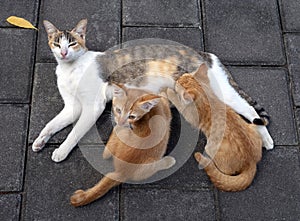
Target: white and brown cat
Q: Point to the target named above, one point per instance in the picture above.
(137, 144)
(84, 81)
(234, 147)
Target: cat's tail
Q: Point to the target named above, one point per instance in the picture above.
(223, 181)
(81, 197)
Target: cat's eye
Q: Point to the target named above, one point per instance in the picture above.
(131, 117)
(72, 44)
(118, 110)
(56, 44)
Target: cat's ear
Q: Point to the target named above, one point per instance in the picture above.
(201, 74)
(118, 90)
(80, 28)
(50, 28)
(149, 101)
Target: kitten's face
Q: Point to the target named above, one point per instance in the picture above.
(67, 46)
(130, 105)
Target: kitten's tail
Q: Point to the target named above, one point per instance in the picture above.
(223, 181)
(81, 198)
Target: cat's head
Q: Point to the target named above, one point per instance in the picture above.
(67, 46)
(189, 85)
(130, 105)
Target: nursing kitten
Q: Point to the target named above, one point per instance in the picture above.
(137, 144)
(84, 80)
(234, 147)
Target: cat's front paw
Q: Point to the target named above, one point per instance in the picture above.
(59, 155)
(78, 198)
(39, 143)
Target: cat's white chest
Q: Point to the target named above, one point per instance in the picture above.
(79, 78)
(68, 78)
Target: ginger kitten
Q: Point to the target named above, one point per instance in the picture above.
(234, 147)
(137, 144)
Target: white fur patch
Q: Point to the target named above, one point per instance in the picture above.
(226, 93)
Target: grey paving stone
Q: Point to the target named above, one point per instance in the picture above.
(168, 204)
(290, 15)
(162, 13)
(13, 124)
(47, 103)
(187, 176)
(17, 50)
(293, 53)
(243, 32)
(298, 122)
(50, 185)
(27, 9)
(274, 194)
(103, 29)
(10, 206)
(269, 87)
(191, 37)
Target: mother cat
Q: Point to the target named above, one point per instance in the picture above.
(84, 81)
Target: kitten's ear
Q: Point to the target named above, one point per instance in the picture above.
(149, 101)
(50, 28)
(201, 73)
(188, 96)
(118, 90)
(80, 28)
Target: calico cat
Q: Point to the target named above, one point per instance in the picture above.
(234, 147)
(84, 80)
(137, 144)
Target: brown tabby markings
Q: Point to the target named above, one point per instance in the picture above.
(234, 165)
(133, 160)
(55, 37)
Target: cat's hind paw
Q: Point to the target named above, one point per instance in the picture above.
(268, 142)
(78, 198)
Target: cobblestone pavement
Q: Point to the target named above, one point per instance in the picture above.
(259, 41)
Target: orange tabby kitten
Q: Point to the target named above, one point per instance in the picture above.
(137, 143)
(235, 147)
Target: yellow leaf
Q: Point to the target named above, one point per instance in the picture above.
(20, 22)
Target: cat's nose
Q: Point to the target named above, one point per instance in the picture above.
(64, 53)
(122, 122)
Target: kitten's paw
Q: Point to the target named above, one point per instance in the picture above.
(168, 162)
(106, 154)
(198, 157)
(202, 160)
(59, 154)
(39, 143)
(78, 198)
